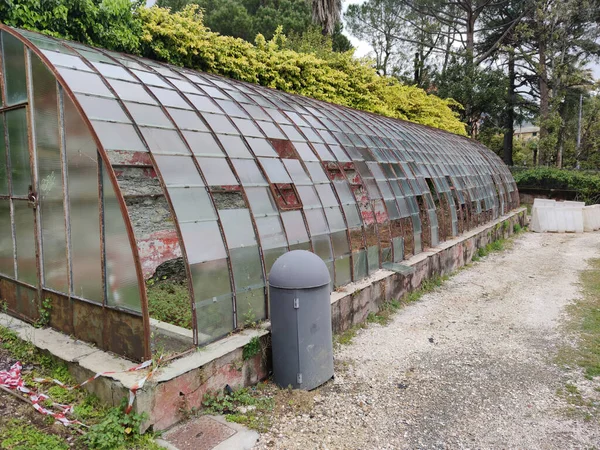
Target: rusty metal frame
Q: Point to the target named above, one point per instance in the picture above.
(380, 133)
(102, 152)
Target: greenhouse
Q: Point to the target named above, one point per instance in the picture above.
(125, 181)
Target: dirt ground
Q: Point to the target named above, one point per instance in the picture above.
(471, 365)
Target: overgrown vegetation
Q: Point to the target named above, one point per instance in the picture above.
(182, 39)
(110, 428)
(585, 186)
(45, 311)
(247, 406)
(252, 348)
(169, 301)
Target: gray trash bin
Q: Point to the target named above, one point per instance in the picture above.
(299, 288)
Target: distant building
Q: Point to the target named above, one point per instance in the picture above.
(526, 132)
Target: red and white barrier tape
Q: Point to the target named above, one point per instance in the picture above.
(12, 380)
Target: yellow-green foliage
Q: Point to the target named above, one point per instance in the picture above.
(182, 39)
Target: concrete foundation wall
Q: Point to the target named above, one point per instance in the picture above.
(182, 383)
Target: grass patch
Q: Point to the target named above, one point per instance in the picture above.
(110, 428)
(346, 337)
(16, 434)
(585, 322)
(169, 302)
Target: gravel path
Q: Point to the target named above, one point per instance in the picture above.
(468, 366)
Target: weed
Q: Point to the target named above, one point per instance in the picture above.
(248, 406)
(517, 228)
(18, 435)
(345, 337)
(116, 430)
(252, 348)
(250, 319)
(44, 311)
(3, 307)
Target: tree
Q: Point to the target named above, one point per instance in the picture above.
(563, 38)
(247, 18)
(380, 23)
(326, 13)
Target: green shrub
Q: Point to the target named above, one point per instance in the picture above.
(182, 39)
(585, 185)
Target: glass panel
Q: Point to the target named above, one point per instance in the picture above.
(360, 264)
(261, 147)
(82, 179)
(340, 243)
(316, 172)
(322, 246)
(202, 241)
(18, 146)
(14, 69)
(191, 204)
(238, 227)
(271, 130)
(308, 195)
(131, 91)
(261, 201)
(342, 271)
(112, 71)
(3, 166)
(373, 258)
(220, 124)
(296, 171)
(52, 211)
(187, 120)
(275, 170)
(202, 143)
(316, 221)
(247, 268)
(122, 288)
(117, 136)
(305, 151)
(149, 78)
(25, 241)
(178, 170)
(203, 103)
(270, 232)
(163, 141)
(148, 115)
(271, 255)
(234, 146)
(247, 127)
(102, 108)
(352, 216)
(217, 172)
(248, 172)
(326, 195)
(335, 219)
(169, 97)
(85, 82)
(211, 279)
(294, 227)
(214, 313)
(251, 305)
(7, 265)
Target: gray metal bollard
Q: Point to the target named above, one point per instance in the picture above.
(299, 289)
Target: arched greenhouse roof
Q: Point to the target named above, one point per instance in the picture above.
(124, 173)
